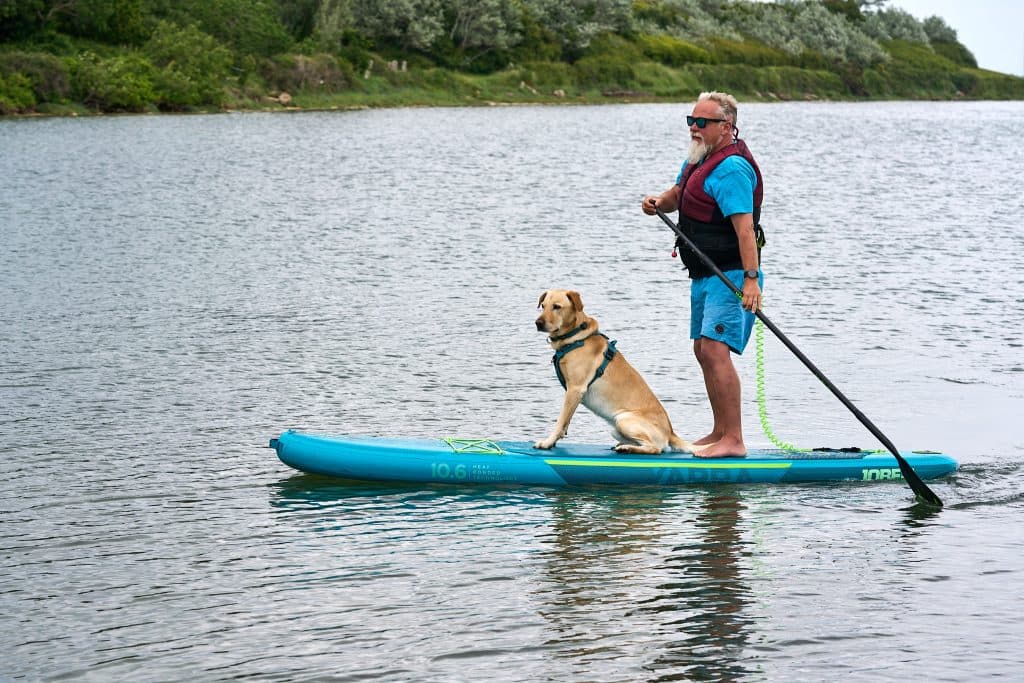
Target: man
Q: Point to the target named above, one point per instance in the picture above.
(718, 195)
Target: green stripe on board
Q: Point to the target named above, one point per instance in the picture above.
(659, 464)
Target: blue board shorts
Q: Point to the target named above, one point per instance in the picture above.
(717, 313)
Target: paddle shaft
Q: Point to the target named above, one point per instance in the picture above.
(920, 489)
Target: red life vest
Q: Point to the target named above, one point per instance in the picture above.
(697, 204)
(701, 218)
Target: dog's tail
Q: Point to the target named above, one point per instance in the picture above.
(678, 444)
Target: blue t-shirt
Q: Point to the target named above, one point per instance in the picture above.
(731, 185)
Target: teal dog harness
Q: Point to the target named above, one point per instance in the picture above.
(609, 353)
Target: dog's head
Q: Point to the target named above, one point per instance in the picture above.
(560, 310)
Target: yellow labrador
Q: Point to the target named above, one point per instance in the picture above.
(595, 374)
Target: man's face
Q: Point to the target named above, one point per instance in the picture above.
(715, 133)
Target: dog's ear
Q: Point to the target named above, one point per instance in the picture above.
(575, 300)
(540, 301)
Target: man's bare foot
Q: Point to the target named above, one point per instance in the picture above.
(724, 448)
(707, 440)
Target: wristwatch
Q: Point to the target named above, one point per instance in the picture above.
(750, 274)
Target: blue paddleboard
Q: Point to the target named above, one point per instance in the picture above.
(517, 462)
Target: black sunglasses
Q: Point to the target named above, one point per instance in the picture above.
(702, 121)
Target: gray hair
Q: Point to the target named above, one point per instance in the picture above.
(724, 100)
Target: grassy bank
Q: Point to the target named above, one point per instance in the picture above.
(643, 81)
(166, 64)
(37, 84)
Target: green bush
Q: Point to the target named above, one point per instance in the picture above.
(664, 81)
(438, 79)
(191, 67)
(249, 27)
(47, 74)
(537, 43)
(119, 22)
(966, 81)
(955, 52)
(16, 94)
(786, 82)
(51, 42)
(672, 51)
(918, 56)
(897, 80)
(812, 59)
(20, 19)
(852, 77)
(547, 74)
(749, 52)
(467, 60)
(301, 73)
(353, 48)
(663, 14)
(613, 46)
(797, 82)
(604, 72)
(876, 83)
(848, 9)
(122, 83)
(134, 55)
(914, 71)
(996, 86)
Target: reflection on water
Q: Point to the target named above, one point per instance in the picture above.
(611, 583)
(677, 582)
(314, 492)
(708, 604)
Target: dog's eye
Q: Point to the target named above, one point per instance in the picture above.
(557, 307)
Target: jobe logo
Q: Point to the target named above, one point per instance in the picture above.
(882, 473)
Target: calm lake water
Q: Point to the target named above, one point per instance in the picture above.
(178, 289)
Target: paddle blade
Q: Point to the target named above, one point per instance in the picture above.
(924, 495)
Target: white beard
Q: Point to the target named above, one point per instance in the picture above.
(698, 150)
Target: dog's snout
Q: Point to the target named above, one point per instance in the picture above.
(540, 324)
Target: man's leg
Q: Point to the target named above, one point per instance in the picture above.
(709, 385)
(723, 387)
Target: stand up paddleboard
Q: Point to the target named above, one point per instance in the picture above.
(517, 462)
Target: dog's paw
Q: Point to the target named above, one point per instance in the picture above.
(638, 449)
(544, 444)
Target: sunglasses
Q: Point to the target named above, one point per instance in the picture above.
(702, 121)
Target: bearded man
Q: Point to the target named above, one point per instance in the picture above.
(718, 194)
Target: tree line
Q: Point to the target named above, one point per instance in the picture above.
(138, 55)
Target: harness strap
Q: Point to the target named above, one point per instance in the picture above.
(560, 337)
(609, 353)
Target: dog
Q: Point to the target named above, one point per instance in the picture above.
(594, 373)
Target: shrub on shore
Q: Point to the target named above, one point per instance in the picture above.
(183, 55)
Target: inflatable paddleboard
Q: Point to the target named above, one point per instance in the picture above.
(476, 461)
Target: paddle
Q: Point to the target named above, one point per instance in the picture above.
(924, 494)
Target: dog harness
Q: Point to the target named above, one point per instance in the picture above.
(609, 353)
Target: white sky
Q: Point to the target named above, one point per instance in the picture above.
(993, 30)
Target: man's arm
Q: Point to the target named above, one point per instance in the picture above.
(666, 201)
(743, 224)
